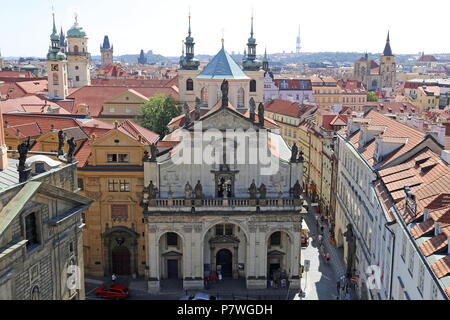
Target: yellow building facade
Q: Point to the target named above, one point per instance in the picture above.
(115, 232)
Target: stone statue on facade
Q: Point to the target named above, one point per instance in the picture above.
(72, 146)
(261, 113)
(252, 104)
(262, 191)
(198, 103)
(198, 190)
(146, 157)
(23, 149)
(253, 190)
(297, 190)
(152, 190)
(187, 115)
(188, 191)
(300, 157)
(294, 153)
(61, 140)
(153, 152)
(224, 89)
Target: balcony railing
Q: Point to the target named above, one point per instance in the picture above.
(222, 202)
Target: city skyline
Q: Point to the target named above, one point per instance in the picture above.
(207, 27)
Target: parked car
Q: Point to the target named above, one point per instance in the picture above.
(115, 292)
(199, 296)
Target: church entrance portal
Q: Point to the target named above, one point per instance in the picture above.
(224, 258)
(121, 263)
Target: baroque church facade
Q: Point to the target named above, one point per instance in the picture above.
(231, 213)
(239, 217)
(377, 76)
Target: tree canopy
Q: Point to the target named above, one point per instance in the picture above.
(371, 97)
(157, 113)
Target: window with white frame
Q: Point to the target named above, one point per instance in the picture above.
(420, 280)
(411, 260)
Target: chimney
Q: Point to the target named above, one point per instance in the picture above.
(410, 201)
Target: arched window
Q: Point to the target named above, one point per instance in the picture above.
(204, 96)
(252, 85)
(240, 98)
(189, 84)
(75, 49)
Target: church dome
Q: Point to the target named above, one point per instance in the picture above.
(76, 31)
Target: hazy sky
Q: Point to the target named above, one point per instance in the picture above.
(326, 25)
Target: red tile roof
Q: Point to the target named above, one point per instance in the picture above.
(95, 96)
(44, 122)
(288, 108)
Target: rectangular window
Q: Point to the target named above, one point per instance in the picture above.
(117, 158)
(77, 78)
(31, 232)
(124, 185)
(403, 255)
(113, 186)
(420, 280)
(172, 239)
(80, 183)
(219, 230)
(228, 229)
(275, 239)
(119, 211)
(411, 260)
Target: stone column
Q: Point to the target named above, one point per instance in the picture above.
(253, 259)
(192, 279)
(153, 263)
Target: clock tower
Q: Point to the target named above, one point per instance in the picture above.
(56, 68)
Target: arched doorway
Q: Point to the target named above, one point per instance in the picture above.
(224, 258)
(279, 255)
(121, 262)
(171, 256)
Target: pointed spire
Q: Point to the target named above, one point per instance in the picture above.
(189, 30)
(387, 49)
(54, 25)
(251, 30)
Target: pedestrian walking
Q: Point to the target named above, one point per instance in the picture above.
(317, 219)
(113, 278)
(320, 238)
(219, 275)
(321, 229)
(338, 287)
(327, 257)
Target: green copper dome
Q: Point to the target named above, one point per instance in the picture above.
(76, 31)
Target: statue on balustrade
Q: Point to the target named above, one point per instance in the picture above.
(152, 190)
(198, 103)
(153, 152)
(297, 190)
(253, 190)
(262, 191)
(198, 190)
(188, 191)
(252, 109)
(294, 153)
(261, 114)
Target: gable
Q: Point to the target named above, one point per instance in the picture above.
(225, 118)
(127, 97)
(109, 140)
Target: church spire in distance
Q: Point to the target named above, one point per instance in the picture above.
(188, 62)
(387, 49)
(249, 62)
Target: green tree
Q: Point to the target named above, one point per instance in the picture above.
(157, 113)
(371, 97)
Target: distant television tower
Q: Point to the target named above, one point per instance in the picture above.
(298, 47)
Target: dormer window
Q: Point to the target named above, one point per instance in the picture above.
(118, 157)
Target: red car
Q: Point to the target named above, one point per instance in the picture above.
(115, 292)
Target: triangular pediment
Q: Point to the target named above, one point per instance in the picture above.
(115, 138)
(127, 96)
(227, 118)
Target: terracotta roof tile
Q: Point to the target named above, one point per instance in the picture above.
(434, 245)
(442, 267)
(422, 228)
